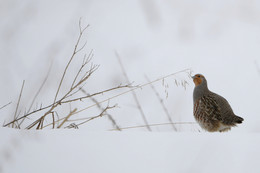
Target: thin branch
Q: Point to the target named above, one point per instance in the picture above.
(73, 120)
(162, 104)
(97, 93)
(100, 115)
(75, 92)
(53, 120)
(133, 93)
(37, 93)
(67, 117)
(110, 117)
(80, 119)
(75, 51)
(69, 101)
(17, 106)
(26, 115)
(5, 105)
(33, 124)
(85, 62)
(92, 69)
(81, 31)
(39, 90)
(160, 124)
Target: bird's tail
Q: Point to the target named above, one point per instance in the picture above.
(238, 119)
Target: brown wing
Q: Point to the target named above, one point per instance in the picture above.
(227, 115)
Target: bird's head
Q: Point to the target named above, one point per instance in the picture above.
(198, 79)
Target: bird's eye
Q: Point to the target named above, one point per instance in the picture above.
(198, 75)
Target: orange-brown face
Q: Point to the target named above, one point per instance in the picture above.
(198, 79)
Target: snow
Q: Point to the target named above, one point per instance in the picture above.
(81, 151)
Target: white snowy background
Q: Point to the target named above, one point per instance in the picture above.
(219, 39)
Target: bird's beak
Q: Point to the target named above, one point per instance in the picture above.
(193, 77)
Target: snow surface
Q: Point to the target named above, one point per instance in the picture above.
(96, 152)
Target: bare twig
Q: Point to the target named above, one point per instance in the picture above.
(69, 101)
(85, 62)
(39, 90)
(67, 117)
(53, 120)
(110, 117)
(5, 105)
(65, 96)
(92, 69)
(133, 93)
(80, 119)
(17, 106)
(75, 51)
(162, 104)
(100, 115)
(160, 124)
(97, 93)
(74, 120)
(37, 93)
(83, 79)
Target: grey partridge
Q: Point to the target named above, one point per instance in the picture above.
(212, 111)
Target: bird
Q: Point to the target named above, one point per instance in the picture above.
(212, 111)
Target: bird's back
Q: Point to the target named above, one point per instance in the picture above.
(226, 114)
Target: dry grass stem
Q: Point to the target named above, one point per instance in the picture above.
(36, 95)
(159, 124)
(84, 63)
(41, 87)
(162, 104)
(110, 117)
(75, 51)
(133, 93)
(17, 106)
(66, 118)
(5, 105)
(53, 120)
(97, 93)
(100, 115)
